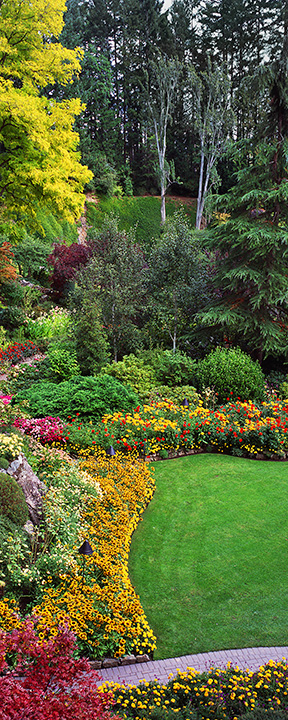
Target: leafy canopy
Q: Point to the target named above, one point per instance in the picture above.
(39, 162)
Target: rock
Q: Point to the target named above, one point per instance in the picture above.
(32, 487)
(142, 658)
(128, 660)
(95, 664)
(110, 662)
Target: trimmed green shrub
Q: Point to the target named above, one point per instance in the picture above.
(4, 463)
(86, 397)
(231, 374)
(134, 372)
(12, 501)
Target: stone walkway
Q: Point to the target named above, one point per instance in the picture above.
(250, 658)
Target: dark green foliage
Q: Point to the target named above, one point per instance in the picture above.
(231, 374)
(12, 501)
(251, 248)
(90, 338)
(11, 317)
(31, 257)
(177, 280)
(86, 397)
(12, 293)
(117, 278)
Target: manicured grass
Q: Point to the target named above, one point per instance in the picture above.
(210, 558)
(140, 212)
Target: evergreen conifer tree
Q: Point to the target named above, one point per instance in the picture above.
(251, 274)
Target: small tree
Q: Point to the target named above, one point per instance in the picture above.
(118, 274)
(66, 260)
(175, 277)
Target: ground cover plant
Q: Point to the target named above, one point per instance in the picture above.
(225, 694)
(100, 605)
(209, 558)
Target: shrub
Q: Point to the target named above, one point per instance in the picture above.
(63, 362)
(27, 375)
(172, 368)
(12, 501)
(231, 373)
(11, 317)
(134, 372)
(86, 397)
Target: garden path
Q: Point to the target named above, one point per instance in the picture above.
(250, 658)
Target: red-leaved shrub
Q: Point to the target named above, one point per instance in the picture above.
(47, 682)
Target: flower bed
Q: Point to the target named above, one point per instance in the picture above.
(165, 429)
(223, 694)
(17, 352)
(98, 601)
(46, 430)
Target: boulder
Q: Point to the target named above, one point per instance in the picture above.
(32, 487)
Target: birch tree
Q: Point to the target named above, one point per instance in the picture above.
(164, 76)
(210, 105)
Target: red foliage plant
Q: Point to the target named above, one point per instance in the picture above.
(66, 260)
(46, 682)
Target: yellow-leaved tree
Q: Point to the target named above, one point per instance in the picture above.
(39, 161)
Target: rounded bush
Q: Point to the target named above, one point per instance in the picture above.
(12, 501)
(231, 374)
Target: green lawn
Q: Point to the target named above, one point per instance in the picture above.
(210, 558)
(143, 213)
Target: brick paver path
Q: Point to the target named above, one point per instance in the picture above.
(250, 658)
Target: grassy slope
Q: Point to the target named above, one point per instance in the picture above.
(209, 560)
(142, 212)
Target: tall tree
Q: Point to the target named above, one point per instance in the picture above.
(39, 162)
(162, 83)
(252, 269)
(213, 119)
